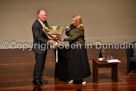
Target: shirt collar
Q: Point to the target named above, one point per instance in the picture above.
(40, 21)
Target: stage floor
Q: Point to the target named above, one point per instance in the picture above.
(16, 72)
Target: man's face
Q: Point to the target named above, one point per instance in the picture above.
(42, 15)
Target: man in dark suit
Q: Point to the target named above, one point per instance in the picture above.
(40, 44)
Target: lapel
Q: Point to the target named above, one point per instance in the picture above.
(45, 23)
(41, 27)
(39, 24)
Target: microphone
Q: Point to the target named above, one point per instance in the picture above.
(70, 27)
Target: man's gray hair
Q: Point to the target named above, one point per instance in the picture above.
(38, 12)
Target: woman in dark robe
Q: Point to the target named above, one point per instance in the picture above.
(78, 65)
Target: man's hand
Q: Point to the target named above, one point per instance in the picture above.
(51, 41)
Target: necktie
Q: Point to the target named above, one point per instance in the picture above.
(44, 26)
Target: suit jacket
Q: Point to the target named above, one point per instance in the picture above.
(39, 38)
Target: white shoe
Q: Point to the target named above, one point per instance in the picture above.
(71, 81)
(84, 82)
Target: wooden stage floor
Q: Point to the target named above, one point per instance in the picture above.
(16, 71)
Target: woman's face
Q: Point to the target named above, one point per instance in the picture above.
(74, 22)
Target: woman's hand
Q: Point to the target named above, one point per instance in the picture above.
(61, 40)
(67, 28)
